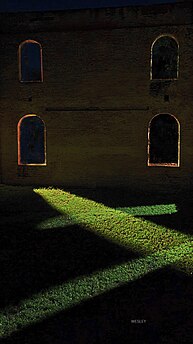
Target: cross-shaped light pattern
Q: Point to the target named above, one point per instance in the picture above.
(117, 225)
(159, 246)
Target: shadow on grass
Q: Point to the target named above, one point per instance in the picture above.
(182, 220)
(161, 299)
(33, 259)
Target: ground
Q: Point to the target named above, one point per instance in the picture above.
(95, 266)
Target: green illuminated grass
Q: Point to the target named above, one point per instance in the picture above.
(140, 235)
(39, 231)
(71, 293)
(160, 209)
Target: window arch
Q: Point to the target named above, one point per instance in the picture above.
(164, 58)
(31, 141)
(30, 61)
(164, 141)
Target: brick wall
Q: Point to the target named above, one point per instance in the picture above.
(97, 97)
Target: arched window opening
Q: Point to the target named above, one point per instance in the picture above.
(163, 141)
(30, 61)
(164, 58)
(31, 141)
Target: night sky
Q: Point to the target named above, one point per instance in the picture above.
(46, 5)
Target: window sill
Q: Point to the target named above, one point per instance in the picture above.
(156, 80)
(164, 165)
(31, 81)
(32, 164)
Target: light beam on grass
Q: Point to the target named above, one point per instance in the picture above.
(139, 235)
(74, 292)
(161, 209)
(150, 210)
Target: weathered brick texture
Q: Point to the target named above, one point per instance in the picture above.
(97, 97)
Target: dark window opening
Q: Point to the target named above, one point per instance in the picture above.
(31, 141)
(165, 58)
(30, 61)
(164, 140)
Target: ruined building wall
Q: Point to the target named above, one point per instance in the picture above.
(97, 99)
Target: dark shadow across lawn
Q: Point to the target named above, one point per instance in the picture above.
(162, 299)
(33, 259)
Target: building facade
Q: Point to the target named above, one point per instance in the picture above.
(98, 97)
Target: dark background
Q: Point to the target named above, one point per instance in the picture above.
(46, 5)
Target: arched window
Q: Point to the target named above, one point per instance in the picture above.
(164, 58)
(163, 141)
(31, 141)
(30, 62)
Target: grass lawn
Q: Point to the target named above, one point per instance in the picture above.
(95, 266)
